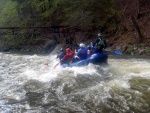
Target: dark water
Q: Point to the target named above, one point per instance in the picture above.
(27, 85)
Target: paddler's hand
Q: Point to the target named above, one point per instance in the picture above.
(76, 56)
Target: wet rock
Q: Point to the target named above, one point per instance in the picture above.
(34, 98)
(4, 48)
(50, 46)
(142, 51)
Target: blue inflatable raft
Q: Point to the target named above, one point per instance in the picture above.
(96, 58)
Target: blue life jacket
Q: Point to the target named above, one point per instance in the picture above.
(82, 53)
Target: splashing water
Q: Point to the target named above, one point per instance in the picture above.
(30, 83)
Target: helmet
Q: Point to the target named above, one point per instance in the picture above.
(82, 45)
(100, 34)
(68, 50)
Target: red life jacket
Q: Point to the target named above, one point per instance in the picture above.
(69, 55)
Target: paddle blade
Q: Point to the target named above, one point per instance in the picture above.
(56, 65)
(46, 64)
(117, 52)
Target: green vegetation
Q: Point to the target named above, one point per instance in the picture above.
(59, 12)
(32, 13)
(9, 15)
(90, 16)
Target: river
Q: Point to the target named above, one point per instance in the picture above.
(27, 85)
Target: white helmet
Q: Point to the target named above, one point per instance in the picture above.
(82, 45)
(100, 34)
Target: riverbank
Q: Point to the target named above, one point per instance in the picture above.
(133, 49)
(128, 52)
(126, 48)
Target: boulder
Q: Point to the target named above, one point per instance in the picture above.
(50, 46)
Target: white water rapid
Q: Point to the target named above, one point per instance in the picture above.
(27, 85)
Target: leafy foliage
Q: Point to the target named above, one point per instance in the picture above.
(59, 12)
(9, 15)
(30, 13)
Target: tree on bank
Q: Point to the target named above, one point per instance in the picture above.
(9, 15)
(107, 16)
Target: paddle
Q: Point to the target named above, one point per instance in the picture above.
(59, 63)
(117, 52)
(47, 63)
(56, 65)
